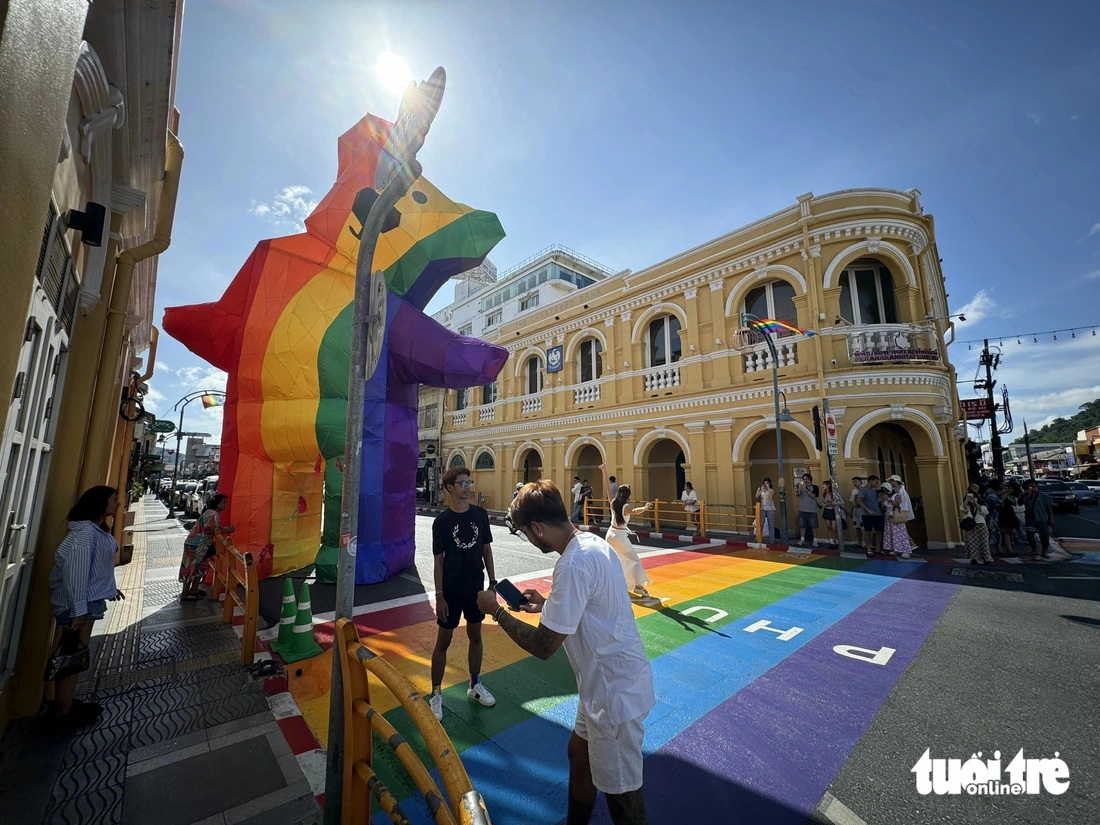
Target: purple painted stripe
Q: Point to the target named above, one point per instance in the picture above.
(769, 753)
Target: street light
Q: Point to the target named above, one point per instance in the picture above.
(761, 326)
(182, 405)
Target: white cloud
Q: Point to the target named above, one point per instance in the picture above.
(289, 208)
(981, 305)
(1093, 231)
(162, 366)
(1034, 118)
(202, 378)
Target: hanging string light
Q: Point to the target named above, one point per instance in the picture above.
(1034, 336)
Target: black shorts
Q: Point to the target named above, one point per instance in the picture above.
(459, 604)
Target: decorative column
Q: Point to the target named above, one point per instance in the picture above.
(725, 482)
(629, 386)
(556, 468)
(702, 481)
(639, 484)
(941, 510)
(691, 378)
(720, 366)
(612, 361)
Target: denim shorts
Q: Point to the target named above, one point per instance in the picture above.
(97, 609)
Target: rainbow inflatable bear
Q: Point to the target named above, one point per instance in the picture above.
(282, 333)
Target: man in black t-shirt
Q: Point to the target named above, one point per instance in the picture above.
(462, 546)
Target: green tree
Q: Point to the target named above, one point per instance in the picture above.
(1064, 430)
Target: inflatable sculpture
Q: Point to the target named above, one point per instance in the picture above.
(282, 333)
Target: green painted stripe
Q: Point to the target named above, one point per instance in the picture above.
(471, 236)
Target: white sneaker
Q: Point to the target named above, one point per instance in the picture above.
(481, 694)
(436, 704)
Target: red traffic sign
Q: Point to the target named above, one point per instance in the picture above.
(830, 425)
(976, 408)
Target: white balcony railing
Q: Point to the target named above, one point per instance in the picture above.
(879, 343)
(459, 418)
(487, 412)
(760, 356)
(662, 378)
(532, 403)
(586, 393)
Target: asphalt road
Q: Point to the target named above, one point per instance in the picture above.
(1085, 524)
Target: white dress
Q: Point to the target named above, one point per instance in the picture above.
(619, 539)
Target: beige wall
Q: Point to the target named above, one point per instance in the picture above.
(38, 52)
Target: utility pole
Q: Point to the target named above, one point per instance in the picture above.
(990, 362)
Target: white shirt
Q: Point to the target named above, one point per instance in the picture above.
(906, 502)
(589, 604)
(576, 492)
(691, 501)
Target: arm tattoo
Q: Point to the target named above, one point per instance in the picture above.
(539, 641)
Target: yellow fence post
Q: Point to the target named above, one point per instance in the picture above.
(759, 525)
(656, 515)
(703, 519)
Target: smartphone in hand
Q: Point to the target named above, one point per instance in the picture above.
(511, 594)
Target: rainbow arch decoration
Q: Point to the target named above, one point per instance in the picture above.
(752, 658)
(282, 332)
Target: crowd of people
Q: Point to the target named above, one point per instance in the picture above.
(998, 516)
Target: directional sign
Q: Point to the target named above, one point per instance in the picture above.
(830, 427)
(832, 444)
(160, 425)
(976, 408)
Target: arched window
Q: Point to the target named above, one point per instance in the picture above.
(591, 359)
(872, 300)
(881, 465)
(774, 299)
(532, 376)
(460, 399)
(663, 341)
(489, 393)
(484, 461)
(457, 461)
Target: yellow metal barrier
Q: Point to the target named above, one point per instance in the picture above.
(721, 518)
(361, 718)
(235, 572)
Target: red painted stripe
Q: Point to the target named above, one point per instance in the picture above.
(298, 735)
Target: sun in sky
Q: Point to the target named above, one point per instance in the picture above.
(393, 73)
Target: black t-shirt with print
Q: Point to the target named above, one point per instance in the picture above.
(460, 539)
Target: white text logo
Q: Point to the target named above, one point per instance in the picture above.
(986, 778)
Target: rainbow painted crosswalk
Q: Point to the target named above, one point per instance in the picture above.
(767, 669)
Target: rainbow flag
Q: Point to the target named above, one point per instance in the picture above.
(209, 401)
(772, 325)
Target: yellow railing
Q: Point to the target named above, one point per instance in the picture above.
(361, 718)
(234, 572)
(722, 518)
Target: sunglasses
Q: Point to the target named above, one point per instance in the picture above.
(515, 531)
(465, 485)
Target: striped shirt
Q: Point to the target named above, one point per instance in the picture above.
(83, 569)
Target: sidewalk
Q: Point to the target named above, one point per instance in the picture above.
(187, 734)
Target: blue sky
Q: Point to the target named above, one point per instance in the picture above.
(631, 131)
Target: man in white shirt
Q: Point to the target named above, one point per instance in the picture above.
(588, 611)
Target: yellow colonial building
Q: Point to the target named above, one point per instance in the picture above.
(646, 371)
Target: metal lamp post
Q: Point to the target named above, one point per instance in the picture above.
(182, 405)
(757, 325)
(396, 170)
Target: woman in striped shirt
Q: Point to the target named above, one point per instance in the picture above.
(81, 584)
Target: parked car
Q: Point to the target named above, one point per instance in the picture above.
(181, 493)
(201, 495)
(1092, 483)
(1084, 493)
(1060, 494)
